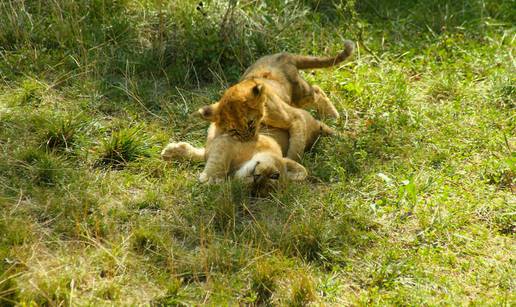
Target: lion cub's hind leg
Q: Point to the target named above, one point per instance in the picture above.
(317, 99)
(182, 151)
(323, 105)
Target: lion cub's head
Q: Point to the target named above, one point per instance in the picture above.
(240, 110)
(265, 172)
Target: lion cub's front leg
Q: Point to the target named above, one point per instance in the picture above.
(218, 164)
(182, 151)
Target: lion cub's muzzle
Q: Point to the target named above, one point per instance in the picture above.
(244, 136)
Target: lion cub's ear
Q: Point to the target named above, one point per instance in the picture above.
(209, 113)
(295, 171)
(256, 100)
(257, 90)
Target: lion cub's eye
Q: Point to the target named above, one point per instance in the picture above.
(274, 176)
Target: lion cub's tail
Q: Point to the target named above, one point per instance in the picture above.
(308, 62)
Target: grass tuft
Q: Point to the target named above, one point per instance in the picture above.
(302, 291)
(41, 168)
(263, 281)
(61, 133)
(121, 147)
(30, 93)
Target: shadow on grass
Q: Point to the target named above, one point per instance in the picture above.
(295, 221)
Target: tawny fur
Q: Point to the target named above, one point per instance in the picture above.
(271, 92)
(259, 162)
(282, 72)
(245, 106)
(268, 94)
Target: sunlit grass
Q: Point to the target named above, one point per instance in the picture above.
(413, 204)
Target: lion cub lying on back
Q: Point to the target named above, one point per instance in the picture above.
(259, 162)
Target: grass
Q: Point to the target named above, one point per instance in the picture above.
(413, 205)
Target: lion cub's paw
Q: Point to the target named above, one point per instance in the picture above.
(175, 151)
(205, 178)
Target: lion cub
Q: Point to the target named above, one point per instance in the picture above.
(244, 106)
(259, 162)
(281, 71)
(272, 90)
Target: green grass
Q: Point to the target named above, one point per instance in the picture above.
(413, 205)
